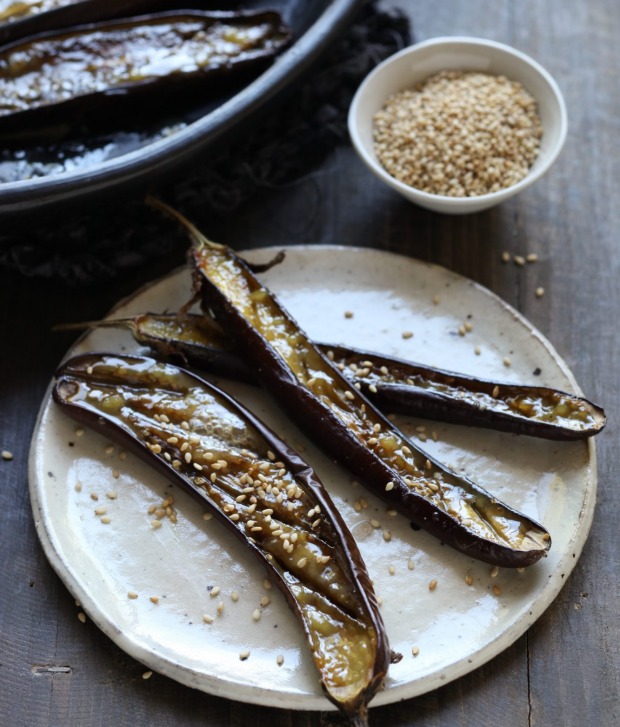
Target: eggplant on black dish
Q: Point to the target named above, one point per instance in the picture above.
(333, 412)
(23, 18)
(260, 489)
(393, 385)
(79, 75)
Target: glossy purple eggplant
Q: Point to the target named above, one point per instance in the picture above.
(260, 489)
(331, 410)
(393, 385)
(68, 77)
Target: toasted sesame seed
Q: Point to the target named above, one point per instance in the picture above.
(494, 571)
(219, 609)
(505, 257)
(387, 535)
(280, 660)
(407, 334)
(507, 362)
(497, 590)
(111, 495)
(267, 584)
(256, 614)
(372, 388)
(531, 257)
(244, 655)
(495, 392)
(207, 618)
(389, 486)
(436, 300)
(415, 650)
(78, 487)
(109, 449)
(147, 674)
(392, 570)
(207, 516)
(410, 564)
(265, 601)
(106, 520)
(540, 292)
(6, 455)
(375, 523)
(82, 617)
(519, 260)
(132, 595)
(348, 314)
(154, 599)
(432, 585)
(477, 350)
(302, 562)
(469, 580)
(79, 432)
(349, 395)
(155, 524)
(94, 496)
(101, 510)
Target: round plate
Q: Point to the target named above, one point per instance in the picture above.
(368, 299)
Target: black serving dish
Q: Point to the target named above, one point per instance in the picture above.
(81, 169)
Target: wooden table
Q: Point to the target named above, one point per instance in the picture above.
(58, 672)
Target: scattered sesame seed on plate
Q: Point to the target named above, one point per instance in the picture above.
(147, 674)
(6, 455)
(82, 617)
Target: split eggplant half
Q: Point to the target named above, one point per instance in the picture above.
(259, 488)
(82, 74)
(331, 410)
(393, 385)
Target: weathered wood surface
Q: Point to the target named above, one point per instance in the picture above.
(58, 672)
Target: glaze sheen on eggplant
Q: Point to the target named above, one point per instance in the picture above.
(24, 18)
(392, 384)
(345, 424)
(103, 68)
(259, 488)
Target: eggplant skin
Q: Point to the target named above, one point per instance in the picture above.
(341, 544)
(24, 20)
(112, 71)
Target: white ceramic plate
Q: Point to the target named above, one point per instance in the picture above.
(457, 627)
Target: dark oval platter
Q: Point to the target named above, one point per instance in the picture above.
(43, 176)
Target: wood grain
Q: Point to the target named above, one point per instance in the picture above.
(58, 672)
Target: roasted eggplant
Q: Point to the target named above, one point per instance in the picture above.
(331, 410)
(260, 489)
(23, 18)
(391, 384)
(70, 77)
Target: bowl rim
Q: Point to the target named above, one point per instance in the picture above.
(447, 40)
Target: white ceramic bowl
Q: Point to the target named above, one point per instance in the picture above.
(416, 63)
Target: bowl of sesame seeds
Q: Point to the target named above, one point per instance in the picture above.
(458, 125)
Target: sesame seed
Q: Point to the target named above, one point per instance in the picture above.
(477, 351)
(219, 609)
(540, 292)
(507, 362)
(265, 601)
(497, 590)
(280, 660)
(469, 580)
(348, 314)
(132, 595)
(432, 585)
(372, 388)
(505, 257)
(101, 510)
(154, 599)
(94, 496)
(387, 535)
(155, 524)
(389, 486)
(519, 260)
(407, 334)
(111, 495)
(494, 571)
(349, 395)
(109, 449)
(82, 617)
(244, 655)
(6, 455)
(79, 432)
(256, 614)
(301, 563)
(207, 618)
(106, 520)
(234, 596)
(392, 570)
(495, 392)
(375, 523)
(78, 487)
(410, 564)
(215, 591)
(147, 674)
(267, 584)
(415, 650)
(207, 516)
(531, 257)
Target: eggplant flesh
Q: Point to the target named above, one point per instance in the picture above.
(103, 67)
(259, 488)
(342, 421)
(393, 385)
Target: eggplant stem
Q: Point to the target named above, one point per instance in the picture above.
(183, 221)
